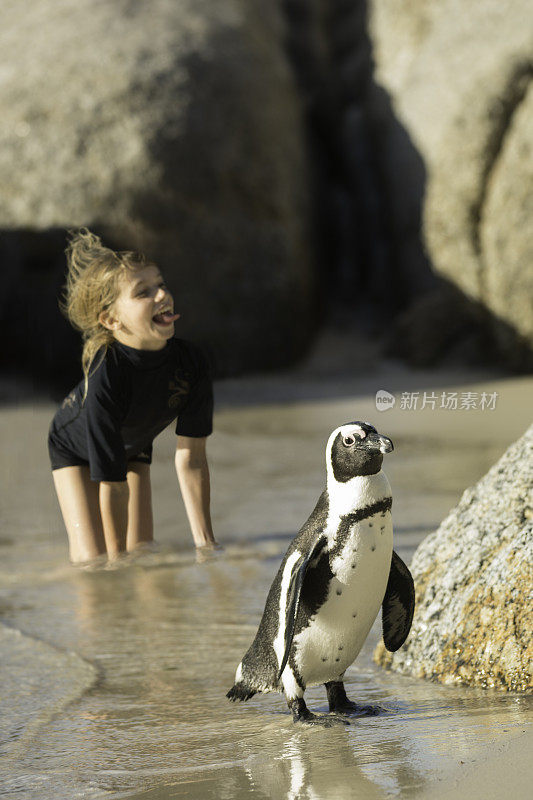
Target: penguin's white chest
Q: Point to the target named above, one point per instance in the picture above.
(336, 633)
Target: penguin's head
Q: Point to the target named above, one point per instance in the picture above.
(356, 449)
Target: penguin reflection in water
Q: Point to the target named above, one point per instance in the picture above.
(336, 574)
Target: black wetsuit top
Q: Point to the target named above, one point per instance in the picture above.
(132, 396)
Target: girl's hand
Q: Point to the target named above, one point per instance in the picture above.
(208, 552)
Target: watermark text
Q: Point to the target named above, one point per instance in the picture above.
(448, 401)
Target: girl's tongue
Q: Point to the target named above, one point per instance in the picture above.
(166, 318)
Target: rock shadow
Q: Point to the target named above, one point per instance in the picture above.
(369, 194)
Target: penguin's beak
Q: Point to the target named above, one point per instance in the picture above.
(376, 441)
(386, 445)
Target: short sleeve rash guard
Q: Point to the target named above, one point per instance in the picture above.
(132, 396)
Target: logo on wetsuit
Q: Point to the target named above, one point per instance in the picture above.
(69, 401)
(179, 388)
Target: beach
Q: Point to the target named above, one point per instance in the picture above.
(114, 680)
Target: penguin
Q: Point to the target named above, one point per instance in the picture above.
(336, 574)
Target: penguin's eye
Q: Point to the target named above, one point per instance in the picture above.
(349, 440)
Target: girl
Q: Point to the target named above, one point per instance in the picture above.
(137, 379)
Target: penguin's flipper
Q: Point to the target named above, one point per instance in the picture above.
(293, 596)
(398, 604)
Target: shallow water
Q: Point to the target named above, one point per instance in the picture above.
(114, 681)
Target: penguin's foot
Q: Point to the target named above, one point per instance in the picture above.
(340, 704)
(300, 713)
(354, 709)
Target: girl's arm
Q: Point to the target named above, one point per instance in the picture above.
(193, 477)
(114, 496)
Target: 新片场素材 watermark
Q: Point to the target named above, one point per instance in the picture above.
(449, 401)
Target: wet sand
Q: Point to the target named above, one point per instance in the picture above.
(114, 681)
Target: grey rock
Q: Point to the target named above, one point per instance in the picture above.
(473, 581)
(506, 230)
(457, 76)
(174, 128)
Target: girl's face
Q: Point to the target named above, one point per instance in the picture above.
(143, 314)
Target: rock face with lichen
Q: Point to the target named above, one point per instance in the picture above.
(474, 579)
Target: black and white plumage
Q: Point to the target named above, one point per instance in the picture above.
(336, 574)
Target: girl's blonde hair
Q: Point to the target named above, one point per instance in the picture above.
(92, 287)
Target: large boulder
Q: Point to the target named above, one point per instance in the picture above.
(171, 127)
(473, 581)
(458, 77)
(506, 232)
